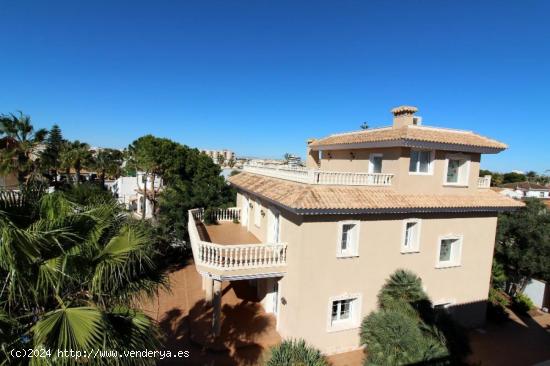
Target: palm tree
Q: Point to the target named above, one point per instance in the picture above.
(70, 274)
(19, 156)
(76, 155)
(295, 352)
(108, 162)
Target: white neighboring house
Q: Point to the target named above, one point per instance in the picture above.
(130, 191)
(522, 190)
(539, 292)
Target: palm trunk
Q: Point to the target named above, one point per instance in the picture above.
(102, 178)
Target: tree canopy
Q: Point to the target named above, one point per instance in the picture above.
(523, 245)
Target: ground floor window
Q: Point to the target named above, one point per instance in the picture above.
(344, 312)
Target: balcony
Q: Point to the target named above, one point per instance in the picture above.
(484, 182)
(227, 251)
(312, 176)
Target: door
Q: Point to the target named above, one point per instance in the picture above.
(244, 211)
(271, 303)
(273, 229)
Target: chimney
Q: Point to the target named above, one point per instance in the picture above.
(404, 116)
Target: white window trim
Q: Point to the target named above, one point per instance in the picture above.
(371, 164)
(257, 214)
(454, 262)
(461, 182)
(350, 252)
(430, 167)
(355, 313)
(416, 245)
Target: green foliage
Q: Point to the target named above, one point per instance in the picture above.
(294, 353)
(22, 140)
(522, 303)
(523, 245)
(76, 155)
(498, 275)
(49, 158)
(407, 330)
(87, 193)
(108, 162)
(71, 271)
(210, 216)
(497, 304)
(393, 337)
(513, 177)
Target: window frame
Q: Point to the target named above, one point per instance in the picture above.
(351, 251)
(456, 254)
(462, 181)
(371, 162)
(415, 247)
(430, 166)
(354, 320)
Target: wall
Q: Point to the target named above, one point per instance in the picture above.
(396, 161)
(315, 273)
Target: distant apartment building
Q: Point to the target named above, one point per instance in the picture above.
(215, 154)
(317, 243)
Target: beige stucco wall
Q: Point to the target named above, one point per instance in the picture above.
(396, 161)
(314, 273)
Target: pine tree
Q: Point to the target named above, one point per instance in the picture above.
(50, 156)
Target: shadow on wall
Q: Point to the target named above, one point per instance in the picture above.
(242, 324)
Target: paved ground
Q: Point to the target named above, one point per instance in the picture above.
(519, 341)
(247, 331)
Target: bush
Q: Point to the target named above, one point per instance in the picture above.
(395, 338)
(496, 306)
(522, 304)
(295, 352)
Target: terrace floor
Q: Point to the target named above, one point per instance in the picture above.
(226, 233)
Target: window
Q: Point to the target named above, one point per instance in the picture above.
(344, 312)
(347, 239)
(257, 214)
(341, 310)
(375, 165)
(457, 170)
(449, 251)
(421, 162)
(411, 236)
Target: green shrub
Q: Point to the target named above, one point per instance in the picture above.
(496, 305)
(522, 304)
(394, 337)
(295, 352)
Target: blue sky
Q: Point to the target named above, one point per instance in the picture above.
(260, 77)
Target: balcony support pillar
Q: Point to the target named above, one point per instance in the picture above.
(208, 284)
(217, 307)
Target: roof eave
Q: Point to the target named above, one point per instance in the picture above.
(410, 143)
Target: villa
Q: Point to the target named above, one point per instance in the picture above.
(317, 243)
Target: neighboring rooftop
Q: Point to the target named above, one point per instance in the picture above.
(407, 131)
(310, 199)
(525, 186)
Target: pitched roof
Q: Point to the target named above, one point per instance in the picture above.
(305, 198)
(526, 186)
(411, 133)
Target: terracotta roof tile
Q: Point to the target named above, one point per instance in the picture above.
(411, 133)
(527, 186)
(299, 196)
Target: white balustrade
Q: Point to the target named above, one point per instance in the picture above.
(484, 182)
(232, 257)
(311, 176)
